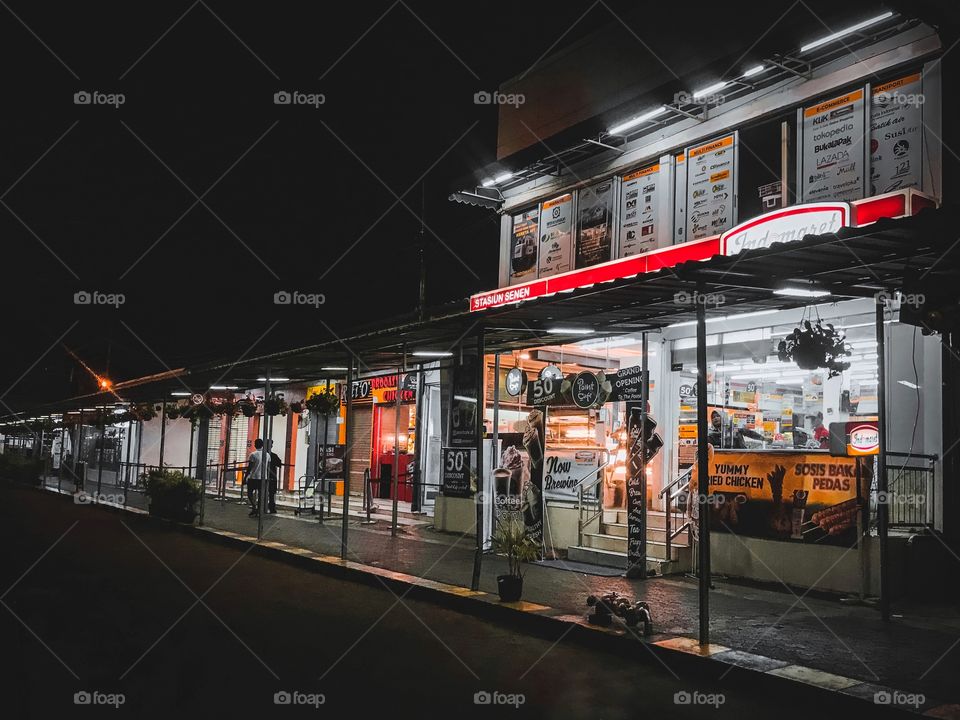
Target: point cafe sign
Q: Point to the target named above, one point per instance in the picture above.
(786, 225)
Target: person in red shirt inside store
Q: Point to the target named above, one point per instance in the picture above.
(820, 433)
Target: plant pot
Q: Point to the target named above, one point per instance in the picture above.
(509, 587)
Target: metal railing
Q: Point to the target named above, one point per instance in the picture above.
(682, 483)
(910, 489)
(596, 502)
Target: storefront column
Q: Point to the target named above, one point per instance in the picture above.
(163, 430)
(703, 474)
(103, 432)
(264, 460)
(395, 489)
(348, 391)
(883, 507)
(418, 486)
(478, 499)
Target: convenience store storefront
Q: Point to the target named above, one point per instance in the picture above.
(765, 417)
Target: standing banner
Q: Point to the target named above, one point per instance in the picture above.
(556, 236)
(638, 211)
(463, 404)
(711, 187)
(458, 469)
(636, 477)
(896, 135)
(523, 246)
(833, 132)
(532, 506)
(595, 224)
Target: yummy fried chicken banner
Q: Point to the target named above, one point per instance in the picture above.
(797, 497)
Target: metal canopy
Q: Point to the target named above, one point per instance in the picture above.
(854, 263)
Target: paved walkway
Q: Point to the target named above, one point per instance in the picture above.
(918, 651)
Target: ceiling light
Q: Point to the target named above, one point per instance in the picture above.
(756, 69)
(801, 292)
(907, 383)
(710, 89)
(432, 353)
(846, 31)
(224, 387)
(276, 379)
(181, 393)
(637, 120)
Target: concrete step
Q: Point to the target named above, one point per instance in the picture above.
(655, 518)
(606, 558)
(656, 534)
(613, 543)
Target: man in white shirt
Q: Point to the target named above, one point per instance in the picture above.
(255, 471)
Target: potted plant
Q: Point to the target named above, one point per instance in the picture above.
(248, 407)
(296, 407)
(173, 495)
(226, 407)
(510, 538)
(812, 346)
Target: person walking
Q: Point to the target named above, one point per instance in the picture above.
(254, 473)
(275, 465)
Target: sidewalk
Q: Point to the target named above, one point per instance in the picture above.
(918, 651)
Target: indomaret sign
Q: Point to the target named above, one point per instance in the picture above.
(786, 225)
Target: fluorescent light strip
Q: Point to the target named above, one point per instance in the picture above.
(616, 129)
(801, 292)
(181, 393)
(755, 70)
(569, 331)
(710, 89)
(846, 31)
(276, 379)
(431, 353)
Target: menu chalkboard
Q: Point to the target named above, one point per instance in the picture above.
(636, 493)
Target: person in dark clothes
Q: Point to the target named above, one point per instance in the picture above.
(274, 471)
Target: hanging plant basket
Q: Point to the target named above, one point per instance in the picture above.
(296, 407)
(816, 345)
(248, 408)
(275, 406)
(174, 412)
(324, 403)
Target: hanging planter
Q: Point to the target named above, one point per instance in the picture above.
(226, 407)
(248, 408)
(324, 403)
(174, 412)
(815, 345)
(296, 407)
(275, 405)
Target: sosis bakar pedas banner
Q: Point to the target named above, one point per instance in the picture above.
(791, 496)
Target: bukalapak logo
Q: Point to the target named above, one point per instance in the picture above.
(836, 142)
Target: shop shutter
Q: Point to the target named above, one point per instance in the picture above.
(359, 451)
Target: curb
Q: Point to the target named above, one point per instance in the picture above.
(714, 662)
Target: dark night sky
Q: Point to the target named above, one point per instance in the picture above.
(294, 195)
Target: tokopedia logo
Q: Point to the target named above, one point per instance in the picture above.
(787, 225)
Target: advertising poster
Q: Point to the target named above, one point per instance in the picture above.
(638, 211)
(523, 246)
(636, 509)
(556, 236)
(795, 497)
(518, 478)
(458, 467)
(595, 224)
(710, 188)
(463, 405)
(565, 469)
(896, 135)
(833, 134)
